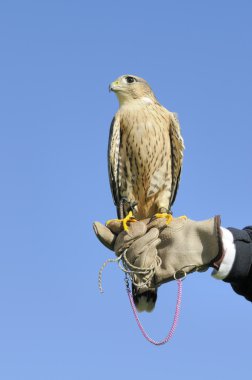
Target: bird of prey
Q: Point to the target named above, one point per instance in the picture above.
(145, 155)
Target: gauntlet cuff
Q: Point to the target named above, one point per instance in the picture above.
(215, 263)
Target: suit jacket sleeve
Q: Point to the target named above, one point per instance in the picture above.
(240, 276)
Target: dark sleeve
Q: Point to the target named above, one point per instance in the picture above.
(240, 276)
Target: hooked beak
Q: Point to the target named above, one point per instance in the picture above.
(113, 86)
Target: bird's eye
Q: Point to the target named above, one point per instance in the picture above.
(130, 79)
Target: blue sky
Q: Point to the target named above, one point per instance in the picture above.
(57, 60)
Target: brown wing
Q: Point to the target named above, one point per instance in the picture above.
(177, 148)
(113, 159)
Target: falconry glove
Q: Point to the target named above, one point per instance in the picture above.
(183, 246)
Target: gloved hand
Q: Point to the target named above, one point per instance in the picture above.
(116, 239)
(183, 246)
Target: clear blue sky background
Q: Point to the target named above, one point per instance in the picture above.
(57, 59)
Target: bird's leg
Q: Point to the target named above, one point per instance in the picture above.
(164, 213)
(129, 218)
(132, 206)
(183, 217)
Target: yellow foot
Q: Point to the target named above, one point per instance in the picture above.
(128, 219)
(168, 217)
(183, 217)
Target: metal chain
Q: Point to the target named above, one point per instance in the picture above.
(149, 272)
(175, 319)
(131, 270)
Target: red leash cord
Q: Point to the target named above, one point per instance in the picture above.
(177, 309)
(175, 319)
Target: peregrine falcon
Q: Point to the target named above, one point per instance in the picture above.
(145, 155)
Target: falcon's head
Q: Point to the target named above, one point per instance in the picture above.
(129, 88)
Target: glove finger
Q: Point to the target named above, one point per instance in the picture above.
(115, 226)
(146, 258)
(105, 236)
(141, 244)
(125, 238)
(157, 223)
(145, 261)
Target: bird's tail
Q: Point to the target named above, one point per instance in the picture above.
(144, 301)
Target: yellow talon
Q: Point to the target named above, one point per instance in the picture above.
(168, 217)
(183, 217)
(128, 219)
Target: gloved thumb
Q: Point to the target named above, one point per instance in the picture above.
(105, 236)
